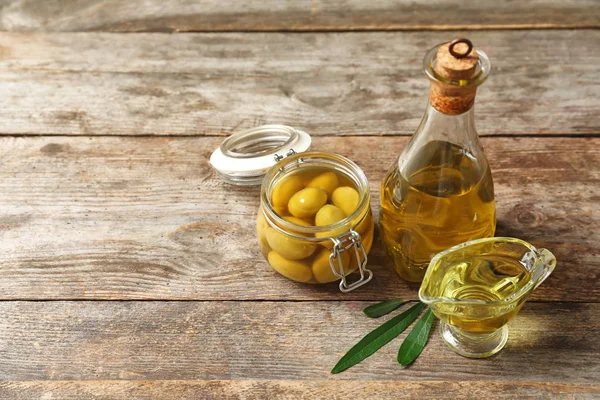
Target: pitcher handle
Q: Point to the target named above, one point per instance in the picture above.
(548, 264)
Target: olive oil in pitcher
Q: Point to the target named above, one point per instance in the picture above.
(440, 192)
(477, 287)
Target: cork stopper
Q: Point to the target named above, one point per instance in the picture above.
(455, 61)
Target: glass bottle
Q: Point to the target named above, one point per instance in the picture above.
(440, 192)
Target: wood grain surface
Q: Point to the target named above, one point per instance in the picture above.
(147, 218)
(542, 82)
(549, 342)
(293, 15)
(292, 390)
(106, 193)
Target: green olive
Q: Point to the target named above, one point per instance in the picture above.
(309, 175)
(297, 221)
(307, 202)
(261, 230)
(264, 245)
(346, 198)
(261, 222)
(327, 181)
(328, 214)
(334, 233)
(281, 211)
(288, 247)
(284, 190)
(321, 268)
(291, 269)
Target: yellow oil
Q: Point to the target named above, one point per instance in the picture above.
(488, 281)
(443, 198)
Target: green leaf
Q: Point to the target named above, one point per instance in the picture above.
(416, 340)
(378, 338)
(385, 307)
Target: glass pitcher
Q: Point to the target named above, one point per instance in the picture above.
(475, 288)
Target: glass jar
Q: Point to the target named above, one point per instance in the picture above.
(309, 253)
(314, 223)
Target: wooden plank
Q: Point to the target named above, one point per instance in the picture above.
(291, 390)
(549, 342)
(543, 82)
(147, 218)
(277, 15)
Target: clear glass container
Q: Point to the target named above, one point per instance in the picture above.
(305, 247)
(321, 241)
(477, 287)
(439, 192)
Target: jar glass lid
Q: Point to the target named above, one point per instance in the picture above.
(246, 156)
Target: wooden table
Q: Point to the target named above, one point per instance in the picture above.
(129, 270)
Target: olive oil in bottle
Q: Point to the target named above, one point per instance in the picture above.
(442, 198)
(440, 192)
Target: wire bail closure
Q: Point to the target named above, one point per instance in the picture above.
(345, 242)
(290, 153)
(278, 158)
(245, 157)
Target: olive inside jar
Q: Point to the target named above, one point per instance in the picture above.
(315, 223)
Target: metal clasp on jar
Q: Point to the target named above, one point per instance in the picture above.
(278, 158)
(346, 242)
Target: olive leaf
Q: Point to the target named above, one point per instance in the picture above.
(383, 308)
(416, 340)
(378, 338)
